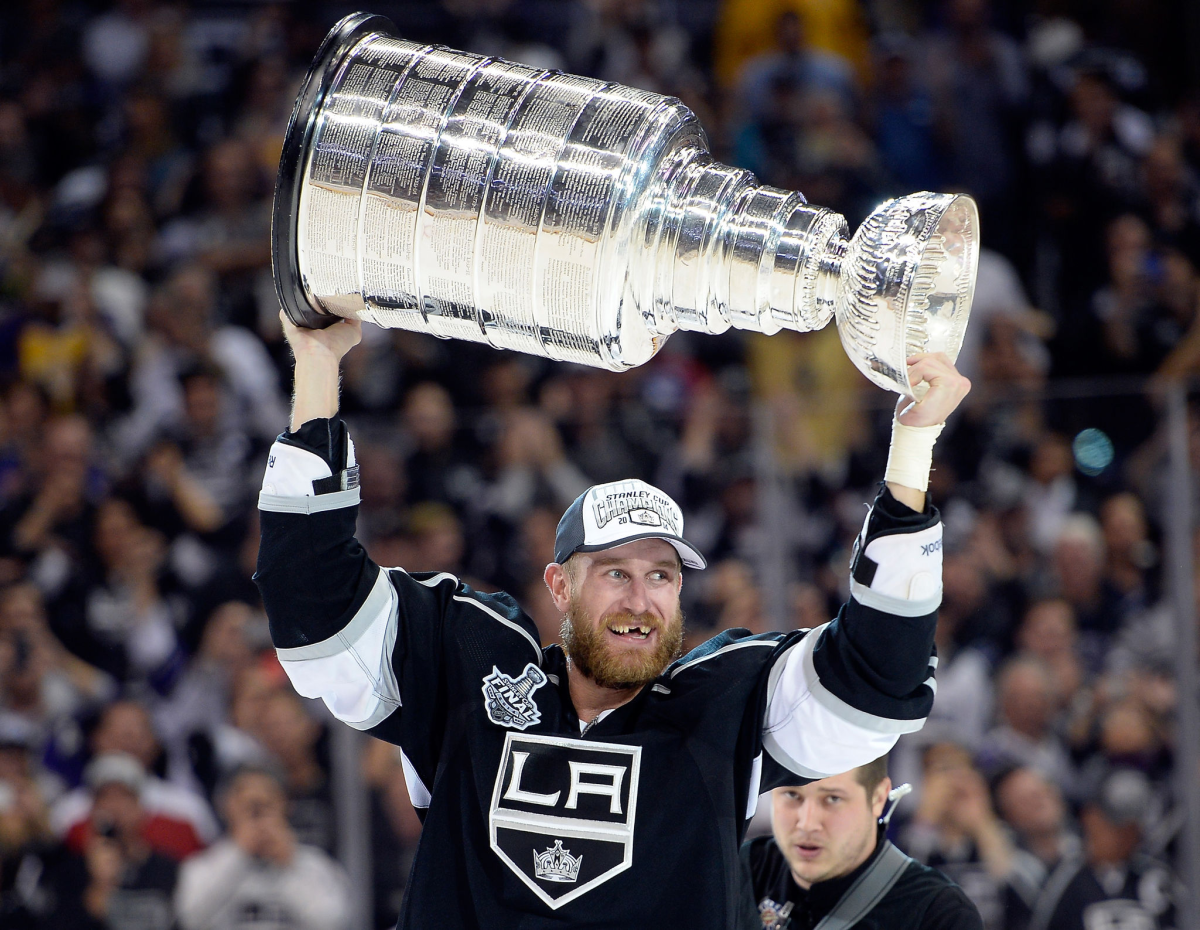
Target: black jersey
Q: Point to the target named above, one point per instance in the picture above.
(530, 819)
(921, 899)
(1139, 896)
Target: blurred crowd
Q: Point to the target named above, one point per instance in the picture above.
(157, 770)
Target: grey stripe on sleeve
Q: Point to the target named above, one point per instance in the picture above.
(379, 602)
(839, 708)
(381, 607)
(895, 605)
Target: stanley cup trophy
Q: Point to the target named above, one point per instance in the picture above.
(475, 198)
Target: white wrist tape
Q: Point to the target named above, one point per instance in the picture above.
(911, 454)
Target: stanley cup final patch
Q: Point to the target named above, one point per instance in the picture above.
(775, 916)
(509, 700)
(562, 813)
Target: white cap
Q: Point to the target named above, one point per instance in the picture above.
(609, 515)
(115, 768)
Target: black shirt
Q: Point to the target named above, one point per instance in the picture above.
(922, 898)
(143, 901)
(1140, 895)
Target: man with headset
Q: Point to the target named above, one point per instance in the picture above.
(828, 865)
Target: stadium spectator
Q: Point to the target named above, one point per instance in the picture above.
(1047, 846)
(1051, 489)
(115, 44)
(291, 736)
(1087, 168)
(963, 709)
(955, 829)
(1145, 645)
(125, 729)
(50, 518)
(184, 332)
(230, 234)
(197, 472)
(1027, 709)
(980, 84)
(1114, 881)
(200, 705)
(1033, 806)
(125, 876)
(794, 62)
(42, 685)
(395, 828)
(1001, 307)
(383, 465)
(121, 592)
(259, 872)
(33, 863)
(1172, 197)
(1130, 553)
(636, 44)
(1077, 575)
(1049, 633)
(904, 122)
(748, 28)
(436, 460)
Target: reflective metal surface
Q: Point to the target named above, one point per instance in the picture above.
(474, 198)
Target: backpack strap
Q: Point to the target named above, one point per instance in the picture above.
(868, 891)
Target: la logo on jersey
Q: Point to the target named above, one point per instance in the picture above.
(562, 813)
(509, 700)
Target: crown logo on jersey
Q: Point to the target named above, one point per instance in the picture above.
(509, 700)
(556, 864)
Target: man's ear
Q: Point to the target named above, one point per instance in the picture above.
(559, 583)
(880, 796)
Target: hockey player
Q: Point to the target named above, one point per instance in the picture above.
(607, 785)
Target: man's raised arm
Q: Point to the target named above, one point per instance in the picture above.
(367, 641)
(312, 572)
(318, 354)
(842, 695)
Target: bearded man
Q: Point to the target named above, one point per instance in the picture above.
(606, 783)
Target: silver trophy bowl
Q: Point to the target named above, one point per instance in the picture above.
(475, 198)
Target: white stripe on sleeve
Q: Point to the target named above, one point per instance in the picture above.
(352, 670)
(418, 793)
(755, 786)
(811, 731)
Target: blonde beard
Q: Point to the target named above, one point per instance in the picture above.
(583, 642)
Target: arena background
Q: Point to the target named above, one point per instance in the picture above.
(144, 375)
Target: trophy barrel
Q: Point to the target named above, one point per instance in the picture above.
(470, 197)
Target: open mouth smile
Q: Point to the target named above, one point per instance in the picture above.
(631, 632)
